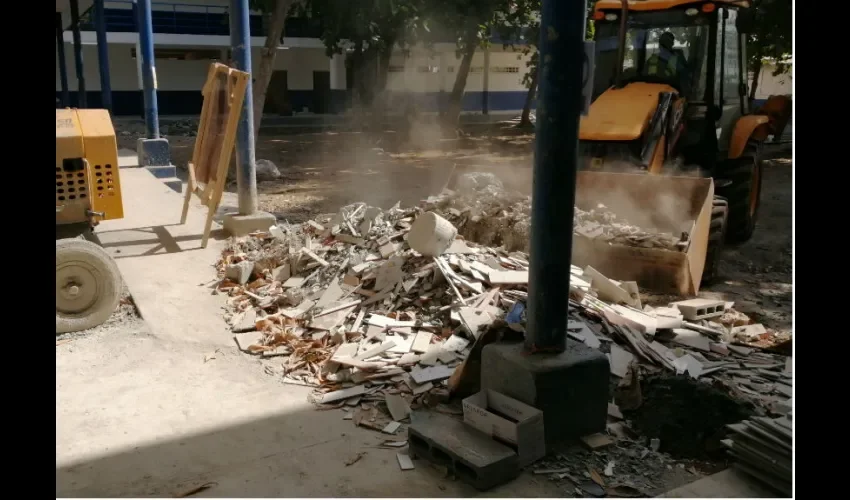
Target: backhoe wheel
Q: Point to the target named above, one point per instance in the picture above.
(88, 285)
(743, 192)
(716, 235)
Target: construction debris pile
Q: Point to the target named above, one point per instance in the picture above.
(378, 328)
(763, 448)
(485, 212)
(354, 312)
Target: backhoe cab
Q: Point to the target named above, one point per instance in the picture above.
(670, 97)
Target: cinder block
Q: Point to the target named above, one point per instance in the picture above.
(468, 453)
(696, 309)
(570, 388)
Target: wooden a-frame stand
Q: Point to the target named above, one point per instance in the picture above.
(224, 93)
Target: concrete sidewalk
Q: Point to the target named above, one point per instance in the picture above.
(159, 409)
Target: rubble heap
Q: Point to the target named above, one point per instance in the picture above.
(358, 315)
(378, 329)
(485, 212)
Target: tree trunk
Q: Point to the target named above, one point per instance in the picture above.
(525, 119)
(263, 74)
(452, 116)
(755, 83)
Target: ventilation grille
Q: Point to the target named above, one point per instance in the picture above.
(72, 185)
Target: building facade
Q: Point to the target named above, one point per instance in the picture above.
(191, 34)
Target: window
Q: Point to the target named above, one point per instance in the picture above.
(504, 69)
(395, 68)
(731, 69)
(727, 58)
(643, 52)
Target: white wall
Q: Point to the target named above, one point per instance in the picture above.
(769, 85)
(446, 63)
(170, 75)
(300, 64)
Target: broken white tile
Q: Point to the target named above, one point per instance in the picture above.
(455, 343)
(473, 319)
(507, 277)
(391, 428)
(378, 320)
(620, 360)
(331, 294)
(421, 342)
(397, 406)
(607, 290)
(404, 461)
(374, 351)
(408, 359)
(402, 344)
(691, 338)
(430, 374)
(689, 364)
(294, 282)
(356, 390)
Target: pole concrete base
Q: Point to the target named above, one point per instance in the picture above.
(155, 155)
(153, 152)
(240, 225)
(570, 388)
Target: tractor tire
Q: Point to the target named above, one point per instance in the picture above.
(744, 176)
(88, 285)
(716, 237)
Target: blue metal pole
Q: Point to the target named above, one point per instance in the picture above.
(78, 54)
(103, 55)
(148, 68)
(63, 67)
(555, 166)
(240, 41)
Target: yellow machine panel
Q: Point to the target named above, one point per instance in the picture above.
(87, 175)
(621, 114)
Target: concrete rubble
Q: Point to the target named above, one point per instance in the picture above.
(485, 212)
(343, 305)
(763, 448)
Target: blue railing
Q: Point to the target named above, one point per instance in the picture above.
(191, 19)
(199, 19)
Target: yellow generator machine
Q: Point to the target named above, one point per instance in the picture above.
(88, 190)
(670, 98)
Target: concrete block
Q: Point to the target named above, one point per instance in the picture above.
(516, 424)
(153, 152)
(469, 454)
(570, 388)
(696, 309)
(163, 172)
(175, 184)
(240, 225)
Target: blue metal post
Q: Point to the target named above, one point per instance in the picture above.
(103, 55)
(240, 41)
(78, 54)
(148, 68)
(63, 67)
(555, 165)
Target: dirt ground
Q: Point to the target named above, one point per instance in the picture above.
(323, 171)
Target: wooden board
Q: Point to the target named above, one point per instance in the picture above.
(224, 93)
